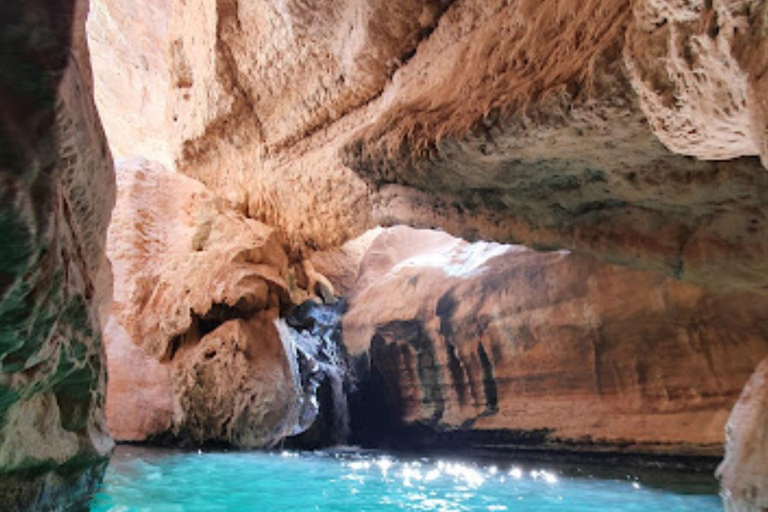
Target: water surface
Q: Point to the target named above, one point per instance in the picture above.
(172, 481)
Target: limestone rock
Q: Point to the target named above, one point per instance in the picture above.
(181, 256)
(56, 193)
(508, 346)
(744, 473)
(132, 76)
(214, 79)
(198, 287)
(700, 72)
(233, 386)
(343, 263)
(545, 141)
(573, 127)
(139, 389)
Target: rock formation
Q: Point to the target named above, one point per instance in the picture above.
(312, 332)
(574, 126)
(491, 345)
(708, 98)
(633, 132)
(57, 190)
(744, 472)
(198, 288)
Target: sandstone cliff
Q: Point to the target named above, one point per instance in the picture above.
(491, 345)
(57, 190)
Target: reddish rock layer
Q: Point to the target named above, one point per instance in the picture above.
(56, 193)
(555, 349)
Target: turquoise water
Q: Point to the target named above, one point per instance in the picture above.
(172, 481)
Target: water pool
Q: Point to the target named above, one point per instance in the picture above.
(172, 481)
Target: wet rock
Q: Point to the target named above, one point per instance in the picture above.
(56, 194)
(313, 333)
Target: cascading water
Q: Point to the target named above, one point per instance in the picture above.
(311, 336)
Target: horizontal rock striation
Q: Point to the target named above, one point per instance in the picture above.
(487, 345)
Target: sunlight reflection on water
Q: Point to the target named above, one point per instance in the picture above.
(159, 481)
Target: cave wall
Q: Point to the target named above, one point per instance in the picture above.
(629, 131)
(550, 141)
(490, 346)
(57, 193)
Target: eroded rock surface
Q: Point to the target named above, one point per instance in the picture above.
(491, 345)
(708, 98)
(574, 126)
(631, 131)
(545, 141)
(744, 471)
(193, 350)
(56, 193)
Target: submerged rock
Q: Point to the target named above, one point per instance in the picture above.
(483, 345)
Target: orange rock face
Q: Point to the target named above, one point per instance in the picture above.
(547, 140)
(56, 193)
(197, 289)
(139, 390)
(553, 350)
(743, 473)
(572, 128)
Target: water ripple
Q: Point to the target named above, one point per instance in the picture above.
(169, 481)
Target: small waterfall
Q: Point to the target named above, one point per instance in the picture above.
(311, 336)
